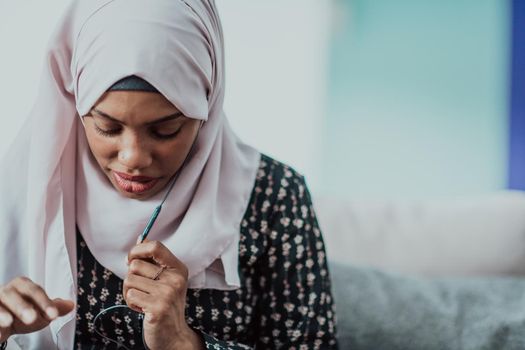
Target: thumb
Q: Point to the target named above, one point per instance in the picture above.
(63, 306)
(140, 240)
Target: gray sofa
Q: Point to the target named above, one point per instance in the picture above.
(436, 274)
(378, 310)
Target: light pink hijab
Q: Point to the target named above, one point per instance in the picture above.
(50, 182)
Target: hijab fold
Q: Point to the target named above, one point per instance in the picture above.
(51, 183)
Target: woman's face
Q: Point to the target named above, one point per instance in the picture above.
(139, 139)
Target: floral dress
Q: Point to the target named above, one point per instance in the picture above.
(284, 301)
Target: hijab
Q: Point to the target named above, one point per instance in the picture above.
(51, 182)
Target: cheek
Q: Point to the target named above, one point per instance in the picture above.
(170, 156)
(102, 148)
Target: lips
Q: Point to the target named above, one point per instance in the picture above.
(134, 184)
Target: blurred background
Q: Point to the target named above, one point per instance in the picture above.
(367, 98)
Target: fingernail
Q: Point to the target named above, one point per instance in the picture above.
(28, 316)
(5, 320)
(52, 312)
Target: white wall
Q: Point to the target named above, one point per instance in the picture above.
(25, 27)
(276, 61)
(277, 68)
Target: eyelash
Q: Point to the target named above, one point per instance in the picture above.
(111, 133)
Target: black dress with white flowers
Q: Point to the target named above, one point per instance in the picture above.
(284, 301)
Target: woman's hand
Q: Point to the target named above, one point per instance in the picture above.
(26, 308)
(162, 300)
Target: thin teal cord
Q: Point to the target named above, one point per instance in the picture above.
(157, 210)
(119, 344)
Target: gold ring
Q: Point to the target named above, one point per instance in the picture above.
(157, 275)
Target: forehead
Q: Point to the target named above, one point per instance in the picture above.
(135, 106)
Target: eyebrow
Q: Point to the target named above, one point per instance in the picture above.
(157, 121)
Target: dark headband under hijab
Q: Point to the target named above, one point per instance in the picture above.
(133, 83)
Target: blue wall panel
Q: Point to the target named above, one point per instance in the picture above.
(517, 104)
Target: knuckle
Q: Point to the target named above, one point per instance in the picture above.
(184, 272)
(36, 289)
(156, 246)
(134, 265)
(131, 294)
(126, 282)
(21, 280)
(6, 291)
(179, 282)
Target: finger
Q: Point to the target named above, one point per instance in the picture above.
(63, 306)
(148, 304)
(158, 252)
(143, 268)
(18, 306)
(6, 319)
(35, 294)
(150, 250)
(137, 299)
(144, 284)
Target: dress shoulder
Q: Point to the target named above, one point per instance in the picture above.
(280, 208)
(276, 183)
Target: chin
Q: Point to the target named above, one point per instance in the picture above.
(137, 196)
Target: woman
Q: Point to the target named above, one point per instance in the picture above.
(130, 115)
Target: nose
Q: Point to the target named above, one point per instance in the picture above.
(133, 154)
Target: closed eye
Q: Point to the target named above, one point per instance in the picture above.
(105, 132)
(161, 136)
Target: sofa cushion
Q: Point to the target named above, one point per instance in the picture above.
(478, 235)
(379, 310)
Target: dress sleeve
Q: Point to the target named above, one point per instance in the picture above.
(295, 309)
